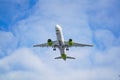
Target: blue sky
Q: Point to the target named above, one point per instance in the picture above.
(27, 22)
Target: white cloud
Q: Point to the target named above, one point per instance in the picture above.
(69, 16)
(106, 37)
(104, 14)
(35, 64)
(8, 43)
(110, 57)
(6, 38)
(22, 61)
(36, 69)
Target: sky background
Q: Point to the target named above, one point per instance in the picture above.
(27, 22)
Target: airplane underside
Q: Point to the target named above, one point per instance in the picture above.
(62, 45)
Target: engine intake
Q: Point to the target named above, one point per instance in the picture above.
(49, 42)
(70, 42)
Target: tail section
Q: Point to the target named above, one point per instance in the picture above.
(68, 57)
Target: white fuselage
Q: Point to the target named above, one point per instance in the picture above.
(60, 39)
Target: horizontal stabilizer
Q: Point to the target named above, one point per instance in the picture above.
(68, 57)
(58, 57)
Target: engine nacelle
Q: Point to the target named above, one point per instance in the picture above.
(49, 42)
(70, 42)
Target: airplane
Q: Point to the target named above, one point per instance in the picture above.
(62, 45)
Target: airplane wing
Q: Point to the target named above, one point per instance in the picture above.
(54, 44)
(41, 45)
(77, 44)
(81, 45)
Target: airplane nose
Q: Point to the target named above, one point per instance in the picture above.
(57, 27)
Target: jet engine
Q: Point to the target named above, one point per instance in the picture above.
(70, 42)
(49, 42)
